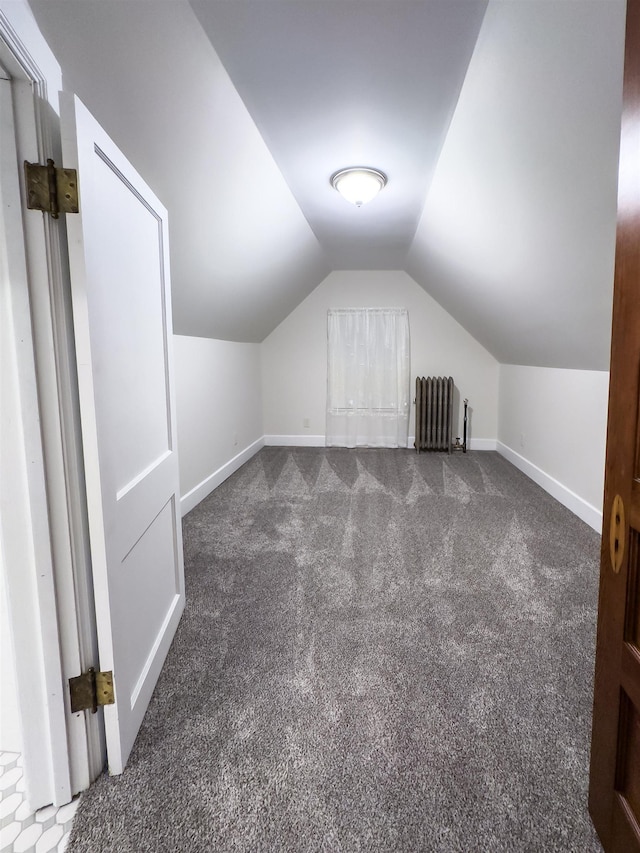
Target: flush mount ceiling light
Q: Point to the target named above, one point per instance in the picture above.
(358, 184)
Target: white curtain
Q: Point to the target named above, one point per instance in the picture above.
(368, 377)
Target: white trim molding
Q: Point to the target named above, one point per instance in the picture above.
(320, 441)
(295, 440)
(48, 579)
(483, 444)
(590, 514)
(200, 492)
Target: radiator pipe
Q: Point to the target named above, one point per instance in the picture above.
(464, 434)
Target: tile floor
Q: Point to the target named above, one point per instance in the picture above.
(25, 831)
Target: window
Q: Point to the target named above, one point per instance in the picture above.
(368, 377)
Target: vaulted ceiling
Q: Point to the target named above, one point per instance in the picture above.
(497, 124)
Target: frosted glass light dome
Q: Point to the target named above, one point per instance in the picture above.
(359, 185)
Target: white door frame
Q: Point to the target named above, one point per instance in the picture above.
(44, 534)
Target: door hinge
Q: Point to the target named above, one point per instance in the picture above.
(90, 690)
(50, 189)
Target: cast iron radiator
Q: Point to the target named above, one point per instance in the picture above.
(434, 412)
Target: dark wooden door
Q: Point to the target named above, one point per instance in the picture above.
(614, 794)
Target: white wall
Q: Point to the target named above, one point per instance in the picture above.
(552, 425)
(294, 356)
(219, 411)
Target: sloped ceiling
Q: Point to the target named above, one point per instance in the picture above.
(332, 85)
(242, 253)
(497, 126)
(517, 236)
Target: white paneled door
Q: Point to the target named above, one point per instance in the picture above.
(119, 257)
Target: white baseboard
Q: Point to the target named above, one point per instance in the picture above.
(483, 444)
(588, 513)
(319, 441)
(212, 482)
(294, 440)
(474, 443)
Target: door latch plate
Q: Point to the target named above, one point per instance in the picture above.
(617, 532)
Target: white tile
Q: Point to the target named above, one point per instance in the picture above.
(66, 813)
(8, 835)
(8, 781)
(23, 830)
(24, 813)
(8, 807)
(46, 816)
(49, 840)
(27, 838)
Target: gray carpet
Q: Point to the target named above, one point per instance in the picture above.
(380, 652)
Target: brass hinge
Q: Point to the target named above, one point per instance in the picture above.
(50, 189)
(90, 690)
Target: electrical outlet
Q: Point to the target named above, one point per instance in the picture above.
(306, 423)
